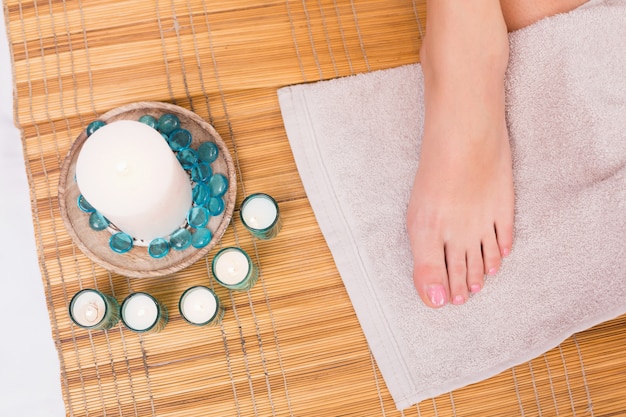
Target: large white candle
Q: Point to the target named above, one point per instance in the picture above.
(198, 305)
(140, 312)
(231, 266)
(127, 171)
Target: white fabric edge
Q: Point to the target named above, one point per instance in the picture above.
(370, 312)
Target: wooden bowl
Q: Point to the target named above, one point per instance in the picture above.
(137, 263)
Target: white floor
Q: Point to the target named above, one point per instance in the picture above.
(29, 366)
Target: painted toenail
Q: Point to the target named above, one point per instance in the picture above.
(437, 295)
(505, 251)
(474, 288)
(458, 300)
(492, 271)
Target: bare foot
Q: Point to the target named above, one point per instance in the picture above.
(460, 215)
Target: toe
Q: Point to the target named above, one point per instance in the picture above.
(491, 254)
(430, 282)
(475, 271)
(456, 266)
(504, 232)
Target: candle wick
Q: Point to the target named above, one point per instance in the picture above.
(122, 167)
(91, 313)
(231, 269)
(199, 307)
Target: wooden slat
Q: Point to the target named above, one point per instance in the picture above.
(293, 345)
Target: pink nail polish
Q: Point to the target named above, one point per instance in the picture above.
(437, 295)
(492, 271)
(505, 251)
(458, 300)
(474, 288)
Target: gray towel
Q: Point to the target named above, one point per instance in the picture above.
(356, 142)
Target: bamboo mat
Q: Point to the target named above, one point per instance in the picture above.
(292, 346)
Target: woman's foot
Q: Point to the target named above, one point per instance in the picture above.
(460, 215)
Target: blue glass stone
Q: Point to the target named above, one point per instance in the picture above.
(187, 158)
(149, 120)
(179, 139)
(200, 194)
(215, 206)
(121, 242)
(180, 239)
(166, 137)
(84, 205)
(97, 221)
(201, 238)
(207, 151)
(93, 126)
(218, 185)
(201, 172)
(158, 248)
(198, 217)
(168, 123)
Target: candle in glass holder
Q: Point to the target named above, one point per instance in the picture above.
(233, 268)
(142, 313)
(130, 175)
(91, 309)
(200, 306)
(260, 215)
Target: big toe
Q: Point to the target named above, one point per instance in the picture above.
(431, 284)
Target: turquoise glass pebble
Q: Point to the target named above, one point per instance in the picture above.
(179, 139)
(215, 206)
(198, 217)
(121, 242)
(166, 137)
(187, 158)
(84, 205)
(218, 185)
(207, 152)
(168, 123)
(158, 248)
(200, 194)
(97, 221)
(93, 126)
(201, 238)
(180, 239)
(201, 172)
(149, 120)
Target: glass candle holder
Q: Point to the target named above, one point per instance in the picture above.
(200, 306)
(142, 313)
(260, 215)
(233, 269)
(93, 310)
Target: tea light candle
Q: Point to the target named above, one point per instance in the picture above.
(91, 309)
(260, 215)
(233, 268)
(143, 313)
(200, 306)
(127, 171)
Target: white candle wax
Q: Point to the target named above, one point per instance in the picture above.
(127, 171)
(259, 212)
(139, 312)
(231, 267)
(88, 308)
(198, 305)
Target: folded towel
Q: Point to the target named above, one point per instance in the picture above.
(356, 143)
